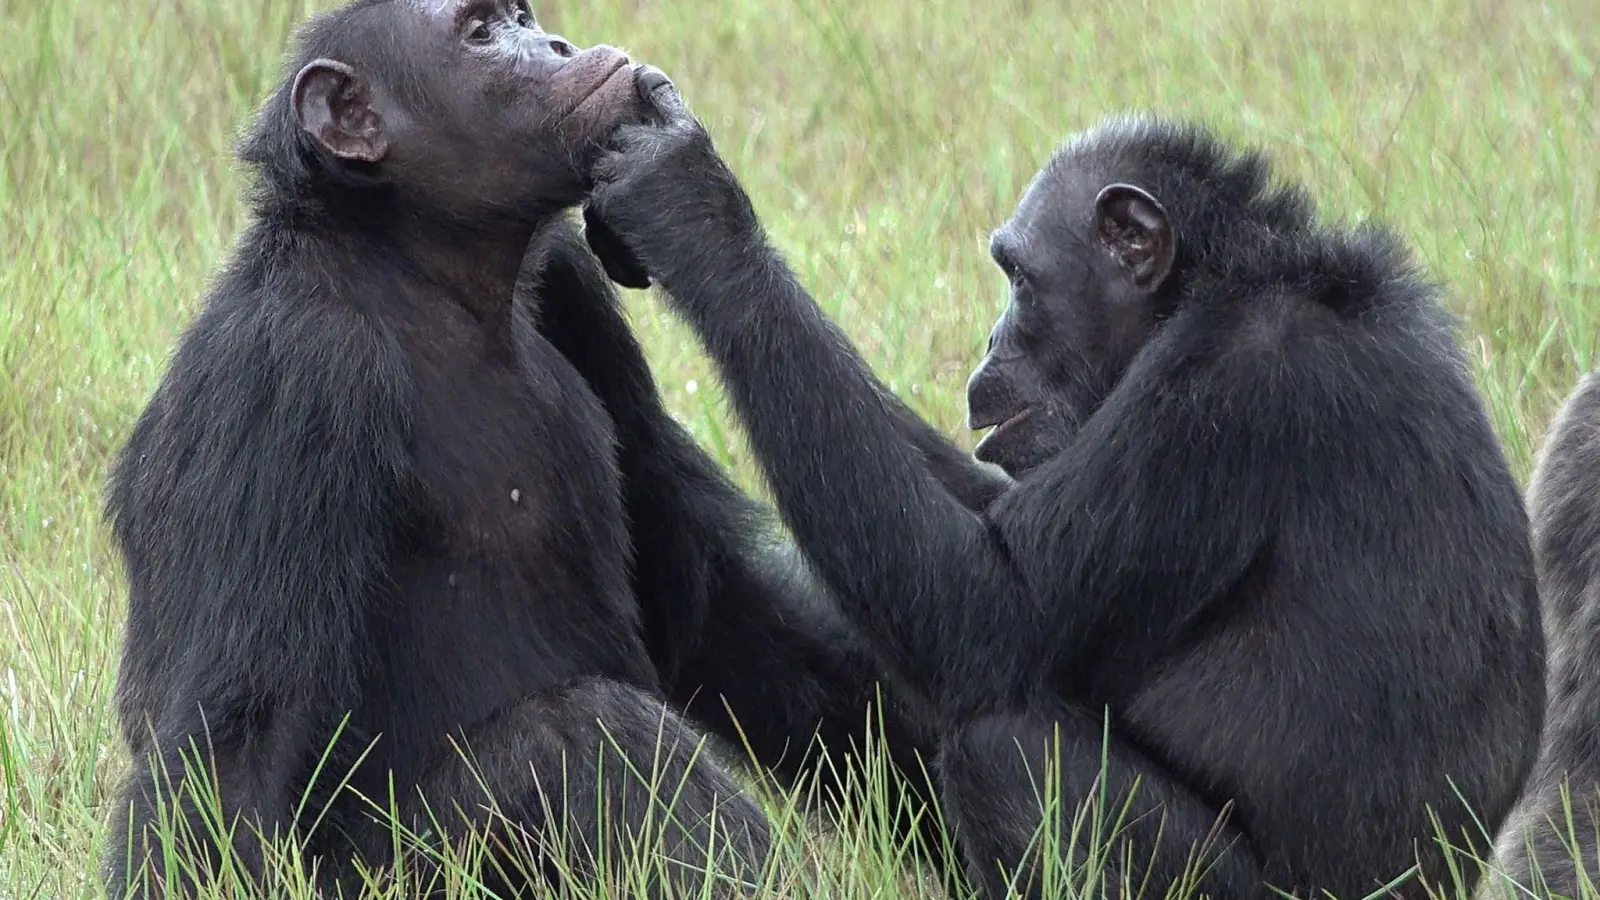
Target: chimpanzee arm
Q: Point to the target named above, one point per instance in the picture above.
(973, 483)
(972, 609)
(254, 505)
(746, 640)
(580, 314)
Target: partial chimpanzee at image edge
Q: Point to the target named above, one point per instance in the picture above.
(408, 480)
(1553, 830)
(1260, 518)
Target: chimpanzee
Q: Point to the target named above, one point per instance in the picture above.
(407, 490)
(1262, 555)
(1553, 828)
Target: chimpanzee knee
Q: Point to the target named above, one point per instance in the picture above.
(1022, 788)
(596, 779)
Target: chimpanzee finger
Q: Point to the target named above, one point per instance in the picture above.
(649, 79)
(657, 90)
(619, 262)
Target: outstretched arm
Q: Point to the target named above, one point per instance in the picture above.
(882, 532)
(974, 484)
(253, 505)
(974, 610)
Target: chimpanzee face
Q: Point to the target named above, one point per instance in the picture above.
(1087, 257)
(467, 105)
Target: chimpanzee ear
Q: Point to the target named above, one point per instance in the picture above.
(1133, 226)
(334, 105)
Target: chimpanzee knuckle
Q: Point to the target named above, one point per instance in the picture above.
(673, 154)
(689, 133)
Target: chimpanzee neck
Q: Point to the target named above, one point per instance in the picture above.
(474, 266)
(456, 259)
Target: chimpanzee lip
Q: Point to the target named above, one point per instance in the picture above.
(619, 62)
(1000, 419)
(991, 448)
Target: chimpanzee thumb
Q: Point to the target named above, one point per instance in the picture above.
(660, 94)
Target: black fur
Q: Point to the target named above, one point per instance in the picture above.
(747, 641)
(1260, 516)
(408, 479)
(1541, 843)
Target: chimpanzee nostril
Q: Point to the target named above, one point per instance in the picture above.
(561, 47)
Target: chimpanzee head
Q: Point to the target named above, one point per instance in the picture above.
(1119, 228)
(463, 108)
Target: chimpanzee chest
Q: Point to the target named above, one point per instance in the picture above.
(515, 570)
(513, 460)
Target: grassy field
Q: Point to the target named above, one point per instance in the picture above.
(881, 141)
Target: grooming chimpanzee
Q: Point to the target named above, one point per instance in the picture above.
(1259, 518)
(1540, 842)
(408, 481)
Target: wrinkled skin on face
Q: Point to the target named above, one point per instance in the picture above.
(1087, 260)
(466, 106)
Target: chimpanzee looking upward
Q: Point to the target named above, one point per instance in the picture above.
(373, 485)
(1541, 847)
(1259, 514)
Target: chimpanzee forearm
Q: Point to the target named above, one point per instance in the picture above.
(580, 314)
(974, 484)
(689, 523)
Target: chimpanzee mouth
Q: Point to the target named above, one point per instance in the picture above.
(1001, 424)
(1002, 427)
(613, 66)
(991, 448)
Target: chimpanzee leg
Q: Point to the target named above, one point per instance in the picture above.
(778, 674)
(1102, 802)
(586, 778)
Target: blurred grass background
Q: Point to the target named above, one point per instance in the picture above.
(881, 141)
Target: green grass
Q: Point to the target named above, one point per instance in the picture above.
(880, 141)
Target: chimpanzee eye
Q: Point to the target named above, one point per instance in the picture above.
(478, 31)
(524, 17)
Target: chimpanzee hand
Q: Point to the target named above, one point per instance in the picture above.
(662, 196)
(619, 262)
